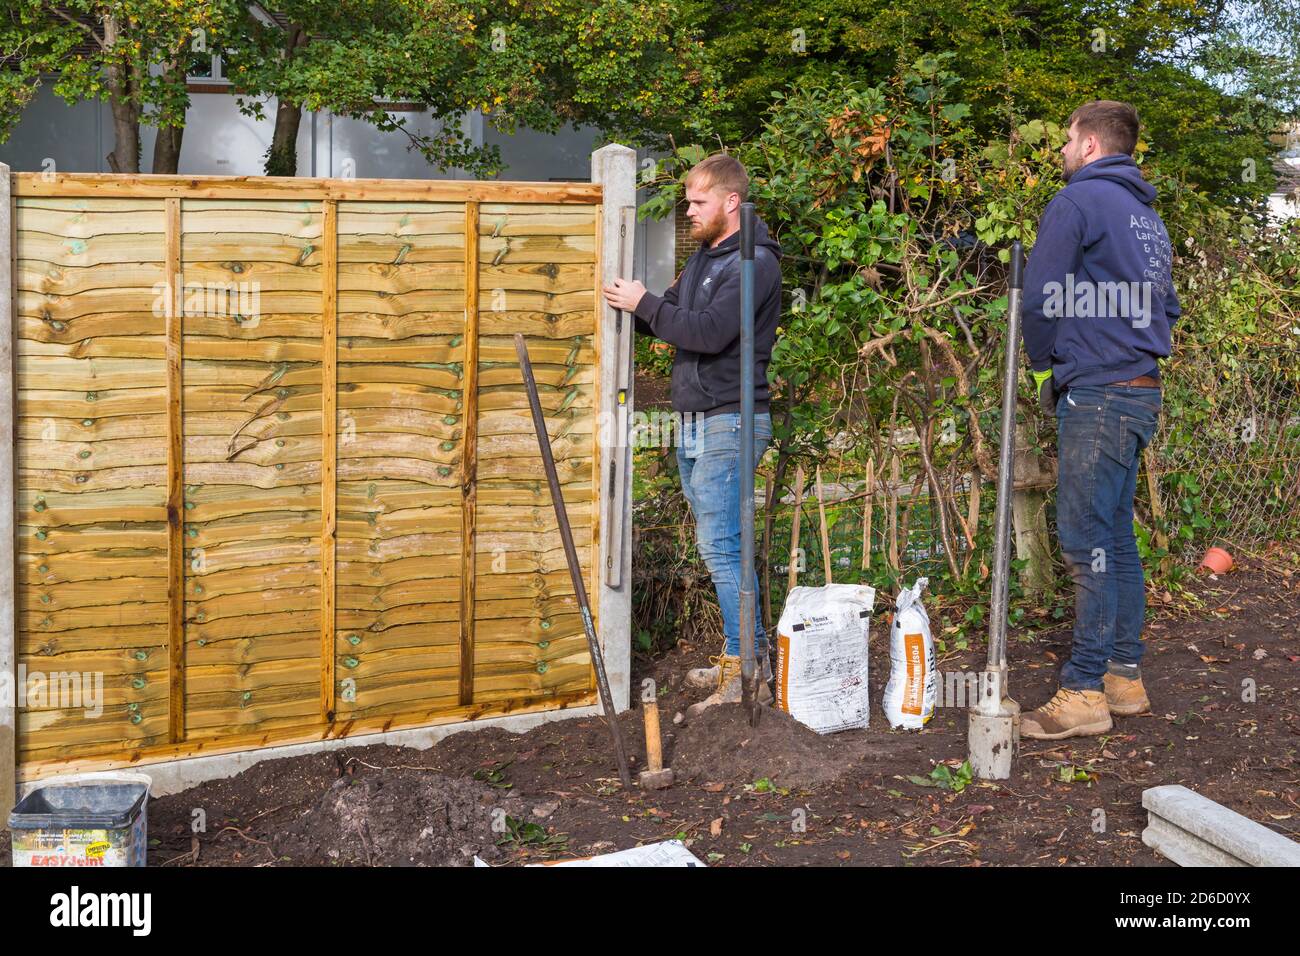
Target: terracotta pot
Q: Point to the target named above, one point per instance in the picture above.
(1217, 561)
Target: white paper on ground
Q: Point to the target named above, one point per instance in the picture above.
(667, 853)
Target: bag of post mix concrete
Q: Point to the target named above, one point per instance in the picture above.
(821, 678)
(913, 684)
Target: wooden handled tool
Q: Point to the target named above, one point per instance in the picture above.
(655, 776)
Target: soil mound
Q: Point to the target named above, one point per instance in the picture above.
(720, 745)
(401, 818)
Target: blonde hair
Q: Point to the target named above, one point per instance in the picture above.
(720, 171)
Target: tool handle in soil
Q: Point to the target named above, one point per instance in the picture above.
(571, 555)
(1006, 465)
(748, 670)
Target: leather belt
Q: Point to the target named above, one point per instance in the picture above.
(1142, 381)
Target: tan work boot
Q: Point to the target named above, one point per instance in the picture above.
(1125, 696)
(706, 678)
(1071, 713)
(728, 691)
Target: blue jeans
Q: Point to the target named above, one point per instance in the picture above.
(708, 457)
(1102, 430)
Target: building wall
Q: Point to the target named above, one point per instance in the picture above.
(683, 245)
(222, 141)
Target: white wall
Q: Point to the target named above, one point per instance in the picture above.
(222, 141)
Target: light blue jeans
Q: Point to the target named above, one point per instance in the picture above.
(708, 457)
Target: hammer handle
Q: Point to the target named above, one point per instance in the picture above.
(653, 749)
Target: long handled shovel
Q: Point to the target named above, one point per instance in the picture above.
(571, 555)
(748, 672)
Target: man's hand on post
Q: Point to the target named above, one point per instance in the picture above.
(1046, 388)
(624, 295)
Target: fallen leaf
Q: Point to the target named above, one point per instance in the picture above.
(715, 828)
(713, 787)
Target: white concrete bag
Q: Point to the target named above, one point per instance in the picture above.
(821, 678)
(910, 693)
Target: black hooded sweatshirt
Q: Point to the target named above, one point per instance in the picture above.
(700, 314)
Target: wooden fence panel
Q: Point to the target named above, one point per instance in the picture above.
(536, 276)
(92, 471)
(277, 476)
(252, 403)
(401, 412)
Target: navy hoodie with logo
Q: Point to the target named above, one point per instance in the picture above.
(1099, 298)
(700, 314)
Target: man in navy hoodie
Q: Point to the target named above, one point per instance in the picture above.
(700, 315)
(1099, 304)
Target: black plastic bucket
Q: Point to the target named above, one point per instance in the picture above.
(90, 822)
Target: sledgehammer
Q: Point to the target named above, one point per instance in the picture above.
(994, 728)
(655, 776)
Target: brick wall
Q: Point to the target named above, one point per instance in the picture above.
(683, 244)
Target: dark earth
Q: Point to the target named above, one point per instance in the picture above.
(781, 794)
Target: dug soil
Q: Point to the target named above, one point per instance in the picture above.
(1222, 671)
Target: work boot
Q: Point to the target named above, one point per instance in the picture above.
(729, 691)
(1125, 696)
(706, 678)
(1071, 713)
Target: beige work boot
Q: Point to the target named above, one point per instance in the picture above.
(1071, 713)
(1125, 696)
(728, 691)
(706, 678)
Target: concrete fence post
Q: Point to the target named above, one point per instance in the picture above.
(1029, 518)
(8, 552)
(614, 167)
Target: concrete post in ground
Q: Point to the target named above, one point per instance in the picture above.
(993, 728)
(8, 550)
(614, 167)
(1029, 517)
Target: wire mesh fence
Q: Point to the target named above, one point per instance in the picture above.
(1223, 469)
(1225, 465)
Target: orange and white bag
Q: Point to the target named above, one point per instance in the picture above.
(821, 678)
(913, 684)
